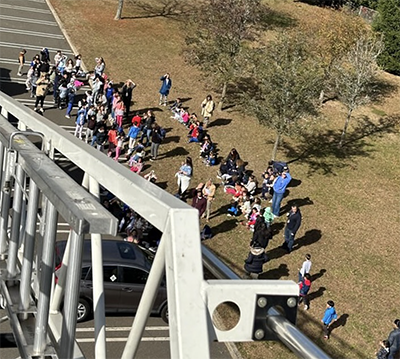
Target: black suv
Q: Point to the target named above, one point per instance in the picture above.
(125, 271)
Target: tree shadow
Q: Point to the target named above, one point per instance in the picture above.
(321, 153)
(275, 273)
(335, 4)
(220, 122)
(11, 87)
(7, 340)
(178, 151)
(173, 9)
(300, 202)
(318, 275)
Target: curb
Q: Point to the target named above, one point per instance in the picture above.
(64, 32)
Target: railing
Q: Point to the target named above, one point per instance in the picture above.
(191, 299)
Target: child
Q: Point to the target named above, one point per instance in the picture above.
(211, 159)
(330, 316)
(120, 144)
(305, 268)
(383, 352)
(268, 217)
(305, 286)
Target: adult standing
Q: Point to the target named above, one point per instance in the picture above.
(149, 119)
(255, 260)
(42, 84)
(207, 109)
(21, 60)
(100, 67)
(279, 190)
(293, 223)
(156, 140)
(394, 340)
(165, 88)
(184, 175)
(199, 202)
(330, 316)
(209, 193)
(126, 94)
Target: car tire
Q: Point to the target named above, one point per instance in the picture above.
(84, 310)
(164, 313)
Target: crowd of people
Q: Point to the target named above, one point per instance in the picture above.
(103, 120)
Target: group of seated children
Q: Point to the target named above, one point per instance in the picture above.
(196, 132)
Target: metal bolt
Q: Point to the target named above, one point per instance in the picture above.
(262, 302)
(291, 302)
(259, 334)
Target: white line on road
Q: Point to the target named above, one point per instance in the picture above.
(31, 33)
(144, 339)
(17, 80)
(121, 329)
(25, 19)
(14, 45)
(24, 8)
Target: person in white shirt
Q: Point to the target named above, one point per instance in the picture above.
(306, 267)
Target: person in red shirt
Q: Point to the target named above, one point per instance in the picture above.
(305, 286)
(136, 119)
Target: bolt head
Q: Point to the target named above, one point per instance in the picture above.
(262, 302)
(291, 302)
(259, 334)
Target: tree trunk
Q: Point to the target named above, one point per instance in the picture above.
(223, 94)
(346, 124)
(276, 144)
(119, 10)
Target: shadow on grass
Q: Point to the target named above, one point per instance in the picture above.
(170, 139)
(173, 9)
(275, 273)
(318, 275)
(321, 153)
(142, 111)
(331, 350)
(310, 237)
(300, 202)
(220, 122)
(318, 293)
(224, 226)
(273, 19)
(178, 151)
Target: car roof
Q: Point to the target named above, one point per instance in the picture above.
(114, 251)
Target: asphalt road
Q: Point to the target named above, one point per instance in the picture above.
(30, 25)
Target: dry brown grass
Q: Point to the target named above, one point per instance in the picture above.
(349, 199)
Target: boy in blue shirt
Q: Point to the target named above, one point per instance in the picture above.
(330, 317)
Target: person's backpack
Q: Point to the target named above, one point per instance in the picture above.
(163, 133)
(206, 232)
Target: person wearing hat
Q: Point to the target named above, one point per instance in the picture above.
(394, 340)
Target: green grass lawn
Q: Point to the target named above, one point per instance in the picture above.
(349, 198)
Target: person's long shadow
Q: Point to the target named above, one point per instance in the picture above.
(177, 151)
(300, 202)
(318, 293)
(275, 273)
(276, 227)
(315, 276)
(169, 139)
(224, 226)
(220, 122)
(309, 238)
(341, 322)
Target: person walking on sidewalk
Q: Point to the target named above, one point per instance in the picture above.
(292, 226)
(330, 316)
(279, 190)
(21, 60)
